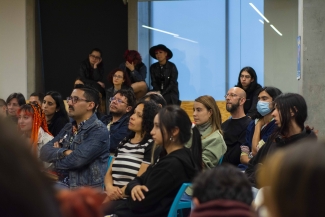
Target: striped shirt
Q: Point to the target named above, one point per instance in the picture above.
(128, 161)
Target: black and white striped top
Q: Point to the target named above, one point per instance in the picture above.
(127, 163)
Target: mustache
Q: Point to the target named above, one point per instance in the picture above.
(71, 107)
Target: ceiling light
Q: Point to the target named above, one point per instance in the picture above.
(253, 6)
(159, 30)
(277, 31)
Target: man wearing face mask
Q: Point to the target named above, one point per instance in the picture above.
(262, 127)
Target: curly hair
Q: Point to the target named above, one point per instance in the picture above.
(127, 81)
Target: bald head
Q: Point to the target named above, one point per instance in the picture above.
(239, 92)
(235, 99)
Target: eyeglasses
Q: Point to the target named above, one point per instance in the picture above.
(117, 100)
(75, 99)
(95, 57)
(231, 95)
(117, 76)
(245, 76)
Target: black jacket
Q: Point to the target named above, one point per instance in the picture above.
(251, 101)
(91, 76)
(164, 79)
(163, 180)
(138, 74)
(271, 145)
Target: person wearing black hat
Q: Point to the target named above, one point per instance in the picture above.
(164, 74)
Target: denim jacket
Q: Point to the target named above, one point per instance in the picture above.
(87, 164)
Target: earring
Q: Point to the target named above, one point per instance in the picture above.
(171, 139)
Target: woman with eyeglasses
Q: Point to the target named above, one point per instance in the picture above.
(118, 79)
(262, 127)
(32, 124)
(55, 113)
(91, 70)
(247, 80)
(133, 154)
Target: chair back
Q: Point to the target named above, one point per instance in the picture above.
(178, 204)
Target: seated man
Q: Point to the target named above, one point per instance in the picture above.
(234, 129)
(80, 151)
(36, 98)
(118, 120)
(222, 191)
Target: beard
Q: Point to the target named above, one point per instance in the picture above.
(117, 113)
(233, 107)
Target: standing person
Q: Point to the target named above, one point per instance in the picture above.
(55, 112)
(134, 152)
(14, 101)
(290, 114)
(261, 128)
(137, 72)
(119, 80)
(153, 192)
(91, 70)
(247, 80)
(207, 119)
(234, 129)
(164, 74)
(3, 108)
(80, 151)
(32, 123)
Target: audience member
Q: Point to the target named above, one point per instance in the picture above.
(247, 80)
(119, 80)
(117, 121)
(290, 114)
(153, 192)
(296, 179)
(24, 190)
(80, 151)
(79, 80)
(3, 108)
(261, 128)
(55, 112)
(134, 152)
(164, 74)
(222, 191)
(32, 123)
(156, 97)
(137, 72)
(36, 97)
(234, 129)
(91, 70)
(14, 101)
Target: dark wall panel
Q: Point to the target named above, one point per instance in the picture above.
(71, 28)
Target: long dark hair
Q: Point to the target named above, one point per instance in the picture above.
(287, 103)
(253, 75)
(62, 112)
(273, 92)
(173, 116)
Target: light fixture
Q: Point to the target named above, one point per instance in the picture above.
(261, 21)
(277, 31)
(253, 6)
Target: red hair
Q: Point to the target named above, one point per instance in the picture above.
(132, 56)
(126, 78)
(39, 120)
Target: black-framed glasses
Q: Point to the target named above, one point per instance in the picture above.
(117, 100)
(75, 99)
(95, 57)
(245, 76)
(231, 95)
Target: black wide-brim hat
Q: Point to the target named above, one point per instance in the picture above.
(153, 50)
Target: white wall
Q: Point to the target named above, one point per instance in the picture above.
(13, 54)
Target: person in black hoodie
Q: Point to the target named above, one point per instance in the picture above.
(290, 114)
(247, 80)
(153, 192)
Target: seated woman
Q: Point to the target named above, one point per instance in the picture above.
(152, 193)
(133, 153)
(164, 74)
(32, 123)
(207, 119)
(14, 101)
(119, 80)
(55, 112)
(247, 80)
(137, 72)
(262, 127)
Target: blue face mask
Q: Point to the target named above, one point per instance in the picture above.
(263, 108)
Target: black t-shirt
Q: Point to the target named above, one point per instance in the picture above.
(234, 133)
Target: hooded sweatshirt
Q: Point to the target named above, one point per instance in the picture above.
(222, 208)
(163, 179)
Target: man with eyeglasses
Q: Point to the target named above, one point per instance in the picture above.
(117, 121)
(80, 151)
(234, 129)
